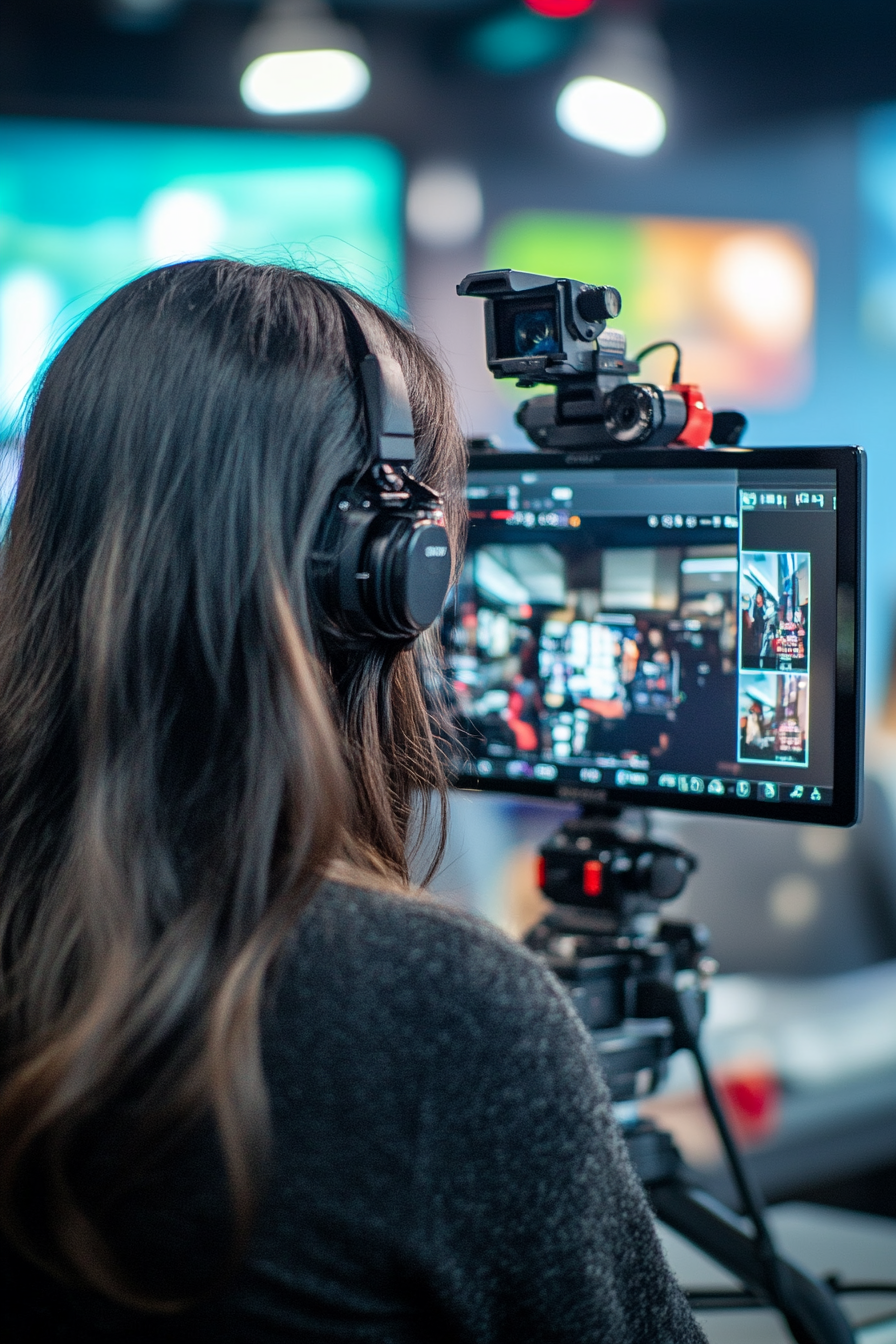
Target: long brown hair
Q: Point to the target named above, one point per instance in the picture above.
(184, 752)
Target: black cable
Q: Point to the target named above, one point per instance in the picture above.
(836, 1284)
(663, 345)
(736, 1299)
(723, 1299)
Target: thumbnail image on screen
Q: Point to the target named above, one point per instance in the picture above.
(774, 606)
(774, 718)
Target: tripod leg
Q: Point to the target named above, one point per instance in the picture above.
(810, 1308)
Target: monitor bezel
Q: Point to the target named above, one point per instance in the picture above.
(850, 465)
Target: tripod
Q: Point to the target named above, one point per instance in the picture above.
(639, 984)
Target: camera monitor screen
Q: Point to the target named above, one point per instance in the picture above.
(672, 628)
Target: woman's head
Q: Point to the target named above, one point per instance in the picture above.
(185, 743)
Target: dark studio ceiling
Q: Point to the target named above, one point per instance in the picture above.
(736, 64)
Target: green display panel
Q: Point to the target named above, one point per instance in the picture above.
(85, 207)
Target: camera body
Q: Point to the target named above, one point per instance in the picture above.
(545, 329)
(539, 329)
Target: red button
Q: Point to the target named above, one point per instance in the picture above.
(592, 877)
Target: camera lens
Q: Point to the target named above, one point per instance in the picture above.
(535, 332)
(630, 413)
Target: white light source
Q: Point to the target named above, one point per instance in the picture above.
(297, 59)
(614, 116)
(444, 205)
(181, 224)
(618, 89)
(304, 81)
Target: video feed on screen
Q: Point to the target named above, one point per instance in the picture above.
(774, 606)
(647, 631)
(580, 652)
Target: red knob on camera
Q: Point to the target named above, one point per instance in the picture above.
(698, 425)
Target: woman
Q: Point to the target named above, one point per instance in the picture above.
(252, 1086)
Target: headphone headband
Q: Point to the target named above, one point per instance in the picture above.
(390, 424)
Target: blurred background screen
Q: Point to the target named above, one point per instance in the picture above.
(83, 208)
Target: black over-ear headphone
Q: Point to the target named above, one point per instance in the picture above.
(384, 554)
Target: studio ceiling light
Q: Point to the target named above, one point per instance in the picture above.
(612, 115)
(618, 90)
(297, 58)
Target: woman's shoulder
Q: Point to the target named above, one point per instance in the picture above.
(416, 929)
(390, 1002)
(387, 953)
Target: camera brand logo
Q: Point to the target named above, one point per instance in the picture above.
(434, 552)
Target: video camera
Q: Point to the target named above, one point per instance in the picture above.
(542, 329)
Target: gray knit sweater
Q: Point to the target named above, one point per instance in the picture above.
(446, 1166)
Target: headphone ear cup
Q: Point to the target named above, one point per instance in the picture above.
(342, 576)
(385, 576)
(409, 562)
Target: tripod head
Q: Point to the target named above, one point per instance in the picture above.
(629, 973)
(595, 864)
